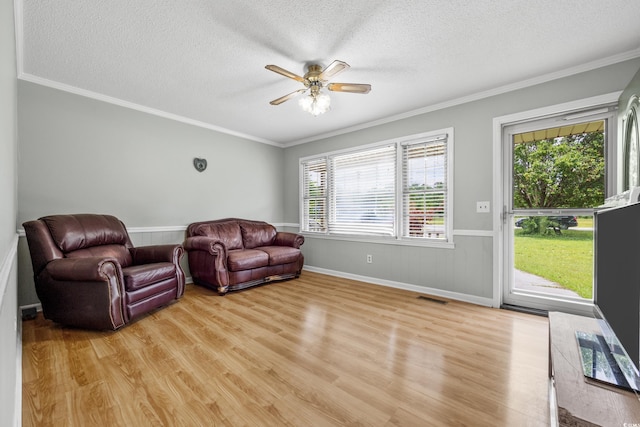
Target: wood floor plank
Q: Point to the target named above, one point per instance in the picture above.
(315, 351)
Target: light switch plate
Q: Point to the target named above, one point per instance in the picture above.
(483, 207)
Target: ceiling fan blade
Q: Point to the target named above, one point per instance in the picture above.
(284, 72)
(287, 97)
(349, 87)
(333, 69)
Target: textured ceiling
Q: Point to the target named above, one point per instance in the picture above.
(203, 61)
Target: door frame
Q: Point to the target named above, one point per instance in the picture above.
(499, 262)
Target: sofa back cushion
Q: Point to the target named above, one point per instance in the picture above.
(228, 232)
(257, 233)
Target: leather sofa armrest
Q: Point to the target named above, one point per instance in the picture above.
(207, 244)
(93, 269)
(285, 238)
(156, 253)
(207, 258)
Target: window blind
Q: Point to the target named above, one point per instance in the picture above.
(314, 195)
(424, 188)
(395, 189)
(362, 191)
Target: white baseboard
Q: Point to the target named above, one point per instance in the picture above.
(37, 306)
(487, 302)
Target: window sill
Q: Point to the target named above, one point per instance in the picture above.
(384, 241)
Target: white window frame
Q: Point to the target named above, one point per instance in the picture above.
(398, 238)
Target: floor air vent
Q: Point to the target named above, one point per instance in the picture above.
(439, 301)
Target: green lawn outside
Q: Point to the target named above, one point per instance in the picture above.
(585, 222)
(566, 259)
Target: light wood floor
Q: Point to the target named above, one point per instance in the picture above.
(316, 351)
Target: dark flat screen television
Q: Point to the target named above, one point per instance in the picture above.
(617, 289)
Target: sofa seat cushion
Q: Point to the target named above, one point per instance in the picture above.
(281, 254)
(246, 259)
(139, 276)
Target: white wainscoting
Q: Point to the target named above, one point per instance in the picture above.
(146, 236)
(6, 266)
(10, 330)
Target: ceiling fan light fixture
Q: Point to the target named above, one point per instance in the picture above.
(318, 102)
(315, 103)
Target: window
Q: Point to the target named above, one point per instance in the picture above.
(395, 189)
(424, 188)
(314, 198)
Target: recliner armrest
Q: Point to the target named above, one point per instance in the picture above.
(285, 238)
(92, 269)
(156, 253)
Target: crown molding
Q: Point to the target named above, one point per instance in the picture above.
(625, 56)
(122, 103)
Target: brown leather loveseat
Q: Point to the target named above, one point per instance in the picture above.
(232, 254)
(88, 274)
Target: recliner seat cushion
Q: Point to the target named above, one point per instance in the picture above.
(139, 276)
(246, 259)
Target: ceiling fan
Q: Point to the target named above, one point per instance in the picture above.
(314, 81)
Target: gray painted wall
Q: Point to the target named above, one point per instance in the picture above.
(632, 89)
(467, 269)
(9, 335)
(82, 155)
(78, 154)
(8, 136)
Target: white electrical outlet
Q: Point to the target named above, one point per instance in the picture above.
(483, 207)
(369, 259)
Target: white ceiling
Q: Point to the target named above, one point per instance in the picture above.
(202, 61)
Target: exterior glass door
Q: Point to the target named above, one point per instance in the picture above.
(555, 176)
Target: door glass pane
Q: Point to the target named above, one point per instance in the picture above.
(557, 261)
(558, 178)
(560, 167)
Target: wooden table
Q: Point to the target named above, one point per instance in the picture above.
(582, 401)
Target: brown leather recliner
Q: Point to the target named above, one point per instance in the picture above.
(88, 274)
